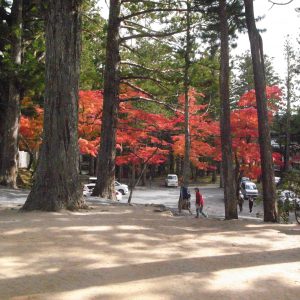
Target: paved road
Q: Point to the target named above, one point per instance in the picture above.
(9, 197)
(169, 196)
(213, 195)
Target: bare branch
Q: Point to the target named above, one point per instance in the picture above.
(129, 63)
(139, 1)
(280, 3)
(141, 77)
(151, 98)
(138, 89)
(136, 25)
(151, 35)
(130, 49)
(168, 106)
(150, 11)
(133, 64)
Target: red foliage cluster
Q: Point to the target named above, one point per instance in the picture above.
(143, 136)
(244, 126)
(89, 121)
(31, 128)
(203, 131)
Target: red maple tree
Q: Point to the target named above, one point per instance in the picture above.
(244, 126)
(203, 130)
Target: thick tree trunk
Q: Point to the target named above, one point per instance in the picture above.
(9, 155)
(57, 183)
(105, 186)
(227, 163)
(187, 137)
(269, 191)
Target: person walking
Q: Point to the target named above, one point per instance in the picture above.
(184, 198)
(199, 204)
(251, 200)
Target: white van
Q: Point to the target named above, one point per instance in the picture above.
(171, 180)
(249, 189)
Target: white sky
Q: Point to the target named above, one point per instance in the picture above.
(279, 22)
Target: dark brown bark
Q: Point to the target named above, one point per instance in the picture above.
(187, 137)
(227, 163)
(105, 186)
(56, 183)
(9, 155)
(269, 191)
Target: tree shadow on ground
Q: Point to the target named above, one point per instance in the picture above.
(122, 252)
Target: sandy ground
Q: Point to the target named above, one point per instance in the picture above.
(131, 252)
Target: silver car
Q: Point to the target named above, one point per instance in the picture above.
(249, 189)
(122, 188)
(171, 180)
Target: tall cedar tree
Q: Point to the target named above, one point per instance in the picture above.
(269, 191)
(106, 157)
(9, 149)
(105, 186)
(224, 20)
(56, 183)
(227, 163)
(291, 74)
(187, 137)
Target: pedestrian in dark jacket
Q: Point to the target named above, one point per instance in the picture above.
(184, 199)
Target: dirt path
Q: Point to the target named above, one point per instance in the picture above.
(122, 252)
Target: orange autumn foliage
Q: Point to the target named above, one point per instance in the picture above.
(31, 127)
(203, 131)
(244, 126)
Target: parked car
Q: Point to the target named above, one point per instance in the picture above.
(88, 189)
(245, 179)
(171, 180)
(287, 194)
(122, 188)
(277, 179)
(249, 189)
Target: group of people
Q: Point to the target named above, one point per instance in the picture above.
(184, 201)
(185, 196)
